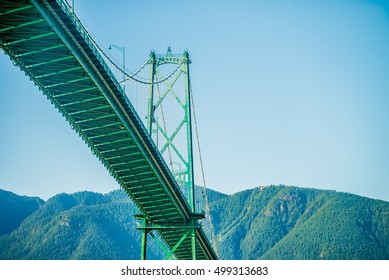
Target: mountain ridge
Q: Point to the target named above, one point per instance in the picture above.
(273, 222)
(17, 208)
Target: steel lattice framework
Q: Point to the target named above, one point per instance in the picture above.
(157, 124)
(47, 41)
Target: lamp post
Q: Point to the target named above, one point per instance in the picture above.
(123, 50)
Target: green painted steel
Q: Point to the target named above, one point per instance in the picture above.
(157, 125)
(47, 41)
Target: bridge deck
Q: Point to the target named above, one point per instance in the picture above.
(54, 50)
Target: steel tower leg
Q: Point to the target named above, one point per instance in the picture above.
(191, 187)
(150, 114)
(143, 249)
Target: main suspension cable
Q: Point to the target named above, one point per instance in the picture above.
(123, 71)
(132, 76)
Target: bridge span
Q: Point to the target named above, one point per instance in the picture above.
(48, 42)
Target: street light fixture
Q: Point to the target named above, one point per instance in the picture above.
(123, 50)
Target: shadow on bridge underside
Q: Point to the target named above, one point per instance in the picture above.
(52, 47)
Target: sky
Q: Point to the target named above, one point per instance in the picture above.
(286, 92)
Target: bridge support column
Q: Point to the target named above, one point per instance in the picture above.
(193, 240)
(145, 231)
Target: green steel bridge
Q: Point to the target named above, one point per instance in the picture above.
(49, 43)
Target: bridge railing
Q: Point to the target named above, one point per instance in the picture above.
(96, 49)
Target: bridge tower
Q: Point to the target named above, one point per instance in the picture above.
(169, 123)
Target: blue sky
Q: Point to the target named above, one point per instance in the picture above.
(292, 92)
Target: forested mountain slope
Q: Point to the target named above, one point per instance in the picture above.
(280, 222)
(275, 222)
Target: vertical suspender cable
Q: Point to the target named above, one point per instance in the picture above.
(203, 175)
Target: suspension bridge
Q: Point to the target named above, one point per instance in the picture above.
(151, 158)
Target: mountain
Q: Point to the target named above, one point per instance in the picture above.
(83, 225)
(281, 222)
(275, 222)
(14, 209)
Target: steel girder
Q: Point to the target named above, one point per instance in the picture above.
(52, 47)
